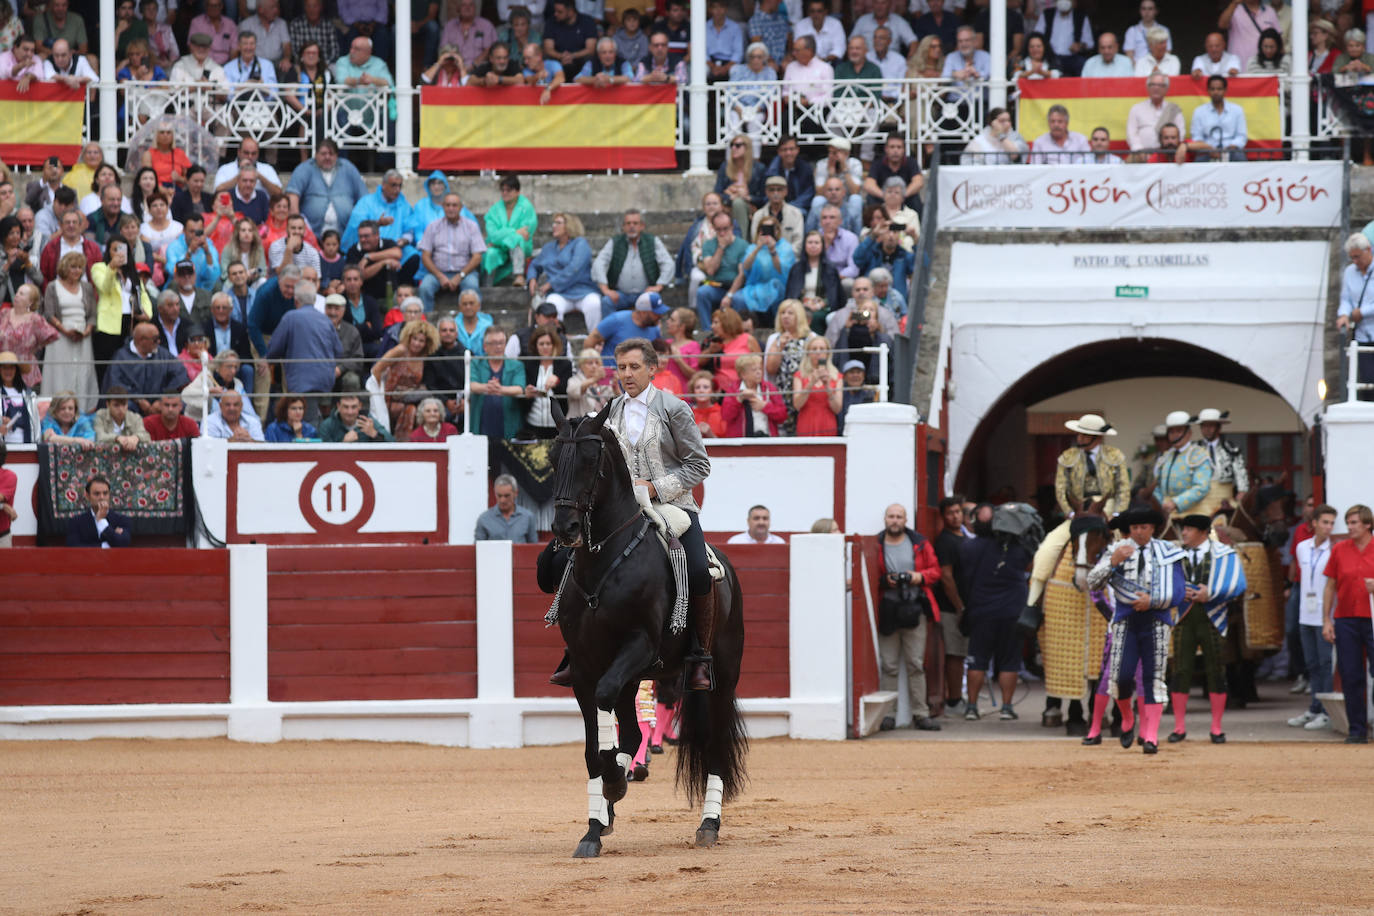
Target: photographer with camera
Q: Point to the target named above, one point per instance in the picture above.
(906, 568)
(862, 323)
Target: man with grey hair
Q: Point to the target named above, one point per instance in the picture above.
(388, 208)
(631, 263)
(268, 181)
(306, 339)
(1356, 311)
(506, 521)
(172, 330)
(605, 68)
(1158, 59)
(273, 301)
(1060, 146)
(1146, 117)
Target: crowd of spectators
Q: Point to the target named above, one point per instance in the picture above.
(243, 304)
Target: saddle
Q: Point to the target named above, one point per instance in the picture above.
(671, 522)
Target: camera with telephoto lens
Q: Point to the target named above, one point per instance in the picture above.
(863, 315)
(902, 578)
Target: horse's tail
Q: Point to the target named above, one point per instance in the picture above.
(711, 735)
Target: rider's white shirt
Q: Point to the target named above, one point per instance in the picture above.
(636, 415)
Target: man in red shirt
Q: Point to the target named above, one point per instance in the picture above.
(169, 422)
(1346, 614)
(9, 482)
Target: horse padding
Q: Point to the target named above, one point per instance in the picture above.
(1072, 636)
(1264, 604)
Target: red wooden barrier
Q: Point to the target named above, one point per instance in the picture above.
(763, 572)
(378, 623)
(114, 626)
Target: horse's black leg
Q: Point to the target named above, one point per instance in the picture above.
(621, 679)
(627, 716)
(599, 811)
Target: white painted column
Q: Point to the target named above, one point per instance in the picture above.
(109, 102)
(997, 42)
(698, 137)
(209, 472)
(467, 486)
(1300, 104)
(1349, 430)
(818, 654)
(496, 722)
(880, 459)
(407, 141)
(251, 717)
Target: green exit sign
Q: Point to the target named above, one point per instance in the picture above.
(1132, 292)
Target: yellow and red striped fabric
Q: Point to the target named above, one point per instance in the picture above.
(581, 129)
(1106, 103)
(45, 121)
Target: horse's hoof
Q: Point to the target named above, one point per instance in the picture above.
(708, 834)
(587, 849)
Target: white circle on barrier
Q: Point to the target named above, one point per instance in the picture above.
(337, 497)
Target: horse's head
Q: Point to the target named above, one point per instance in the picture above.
(1090, 536)
(579, 469)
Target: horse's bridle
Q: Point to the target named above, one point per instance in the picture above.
(582, 502)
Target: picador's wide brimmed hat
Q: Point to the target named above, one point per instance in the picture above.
(1200, 522)
(1179, 418)
(1090, 424)
(1212, 415)
(1140, 515)
(1160, 431)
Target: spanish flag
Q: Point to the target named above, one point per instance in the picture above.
(581, 129)
(45, 121)
(1106, 102)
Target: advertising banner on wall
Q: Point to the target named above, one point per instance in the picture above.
(1240, 195)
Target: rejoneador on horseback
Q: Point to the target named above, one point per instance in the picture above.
(623, 477)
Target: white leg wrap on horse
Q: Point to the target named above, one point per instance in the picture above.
(605, 730)
(597, 809)
(624, 760)
(715, 788)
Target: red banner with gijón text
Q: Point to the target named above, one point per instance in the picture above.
(579, 128)
(45, 121)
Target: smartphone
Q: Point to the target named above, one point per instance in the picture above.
(224, 199)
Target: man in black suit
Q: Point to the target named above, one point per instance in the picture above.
(100, 527)
(225, 332)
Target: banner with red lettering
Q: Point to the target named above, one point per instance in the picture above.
(1147, 196)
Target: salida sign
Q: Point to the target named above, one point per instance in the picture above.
(1195, 195)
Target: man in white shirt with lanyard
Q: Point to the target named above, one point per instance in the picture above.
(1357, 307)
(1311, 557)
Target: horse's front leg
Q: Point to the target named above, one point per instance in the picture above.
(600, 810)
(620, 681)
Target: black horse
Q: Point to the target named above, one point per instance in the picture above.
(615, 614)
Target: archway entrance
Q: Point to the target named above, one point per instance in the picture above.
(1134, 383)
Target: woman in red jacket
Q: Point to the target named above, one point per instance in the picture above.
(906, 643)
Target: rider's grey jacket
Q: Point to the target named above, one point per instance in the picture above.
(670, 453)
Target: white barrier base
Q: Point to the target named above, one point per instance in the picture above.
(873, 708)
(449, 723)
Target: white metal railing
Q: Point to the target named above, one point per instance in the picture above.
(1352, 370)
(927, 111)
(278, 115)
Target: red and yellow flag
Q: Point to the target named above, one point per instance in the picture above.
(581, 129)
(1106, 102)
(45, 121)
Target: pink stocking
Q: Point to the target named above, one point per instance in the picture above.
(1100, 701)
(1127, 715)
(1151, 714)
(1180, 712)
(662, 718)
(1218, 707)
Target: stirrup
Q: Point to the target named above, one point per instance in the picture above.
(690, 666)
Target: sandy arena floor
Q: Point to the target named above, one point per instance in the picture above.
(877, 826)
